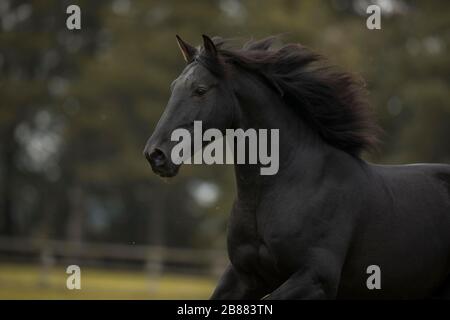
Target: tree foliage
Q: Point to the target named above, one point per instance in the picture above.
(78, 105)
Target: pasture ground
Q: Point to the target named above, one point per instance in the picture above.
(19, 281)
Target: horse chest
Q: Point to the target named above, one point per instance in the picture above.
(254, 260)
(247, 250)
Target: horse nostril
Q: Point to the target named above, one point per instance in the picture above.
(147, 156)
(156, 158)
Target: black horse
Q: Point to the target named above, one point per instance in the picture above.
(311, 230)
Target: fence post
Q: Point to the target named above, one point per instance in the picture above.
(46, 262)
(154, 267)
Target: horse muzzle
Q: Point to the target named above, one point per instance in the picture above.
(160, 162)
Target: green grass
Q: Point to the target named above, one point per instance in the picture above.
(30, 282)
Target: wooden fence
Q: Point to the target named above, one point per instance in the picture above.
(155, 259)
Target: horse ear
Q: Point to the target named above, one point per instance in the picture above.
(186, 49)
(209, 45)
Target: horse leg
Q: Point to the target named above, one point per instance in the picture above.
(318, 280)
(231, 287)
(444, 290)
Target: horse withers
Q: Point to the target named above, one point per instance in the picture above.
(312, 230)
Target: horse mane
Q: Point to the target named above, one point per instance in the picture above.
(331, 101)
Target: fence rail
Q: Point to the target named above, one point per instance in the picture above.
(154, 258)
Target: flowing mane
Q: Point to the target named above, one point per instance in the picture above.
(332, 102)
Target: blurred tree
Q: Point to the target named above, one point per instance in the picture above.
(38, 57)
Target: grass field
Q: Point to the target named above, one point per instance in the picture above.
(30, 282)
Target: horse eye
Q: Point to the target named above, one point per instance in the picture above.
(200, 91)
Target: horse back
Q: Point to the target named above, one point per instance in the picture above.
(405, 229)
(434, 179)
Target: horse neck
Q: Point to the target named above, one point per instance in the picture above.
(263, 108)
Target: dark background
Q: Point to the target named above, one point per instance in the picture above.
(76, 108)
